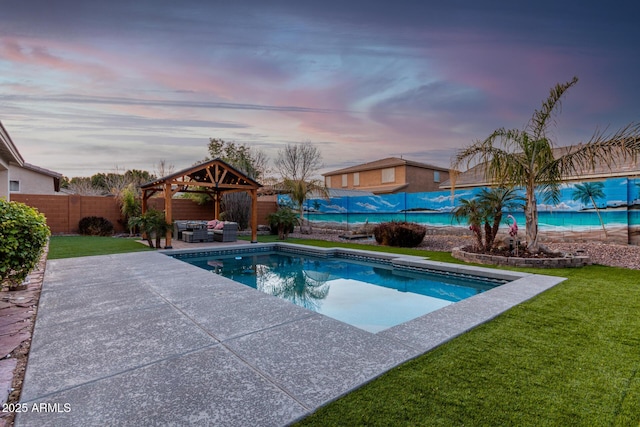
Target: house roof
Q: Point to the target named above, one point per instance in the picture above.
(42, 171)
(8, 150)
(384, 163)
(385, 189)
(475, 176)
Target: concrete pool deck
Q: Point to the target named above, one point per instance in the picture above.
(146, 339)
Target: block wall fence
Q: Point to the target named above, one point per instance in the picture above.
(63, 213)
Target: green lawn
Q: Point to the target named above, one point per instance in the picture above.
(77, 246)
(568, 357)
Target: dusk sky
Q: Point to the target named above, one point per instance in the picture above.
(90, 86)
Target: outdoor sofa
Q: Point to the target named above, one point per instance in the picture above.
(205, 231)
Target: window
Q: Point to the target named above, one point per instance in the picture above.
(327, 181)
(14, 186)
(388, 175)
(436, 176)
(344, 179)
(356, 179)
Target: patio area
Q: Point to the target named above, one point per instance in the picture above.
(145, 339)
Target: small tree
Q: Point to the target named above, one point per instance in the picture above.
(250, 161)
(129, 205)
(152, 224)
(297, 165)
(23, 236)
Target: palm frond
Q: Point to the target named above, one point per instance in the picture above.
(540, 120)
(602, 150)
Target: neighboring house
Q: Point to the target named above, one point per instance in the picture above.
(475, 176)
(31, 179)
(390, 175)
(8, 155)
(16, 176)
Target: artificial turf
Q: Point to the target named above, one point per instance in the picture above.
(77, 246)
(570, 356)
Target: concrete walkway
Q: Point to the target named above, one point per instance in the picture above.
(144, 339)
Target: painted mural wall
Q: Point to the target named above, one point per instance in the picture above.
(596, 210)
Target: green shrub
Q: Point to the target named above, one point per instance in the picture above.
(283, 220)
(23, 236)
(95, 226)
(400, 234)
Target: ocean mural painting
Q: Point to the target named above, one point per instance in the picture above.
(607, 210)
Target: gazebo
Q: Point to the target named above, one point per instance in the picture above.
(214, 177)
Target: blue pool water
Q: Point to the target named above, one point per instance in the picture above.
(369, 295)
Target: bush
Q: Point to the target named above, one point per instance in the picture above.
(397, 233)
(95, 226)
(23, 236)
(283, 220)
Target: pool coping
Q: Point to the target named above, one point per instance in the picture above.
(128, 338)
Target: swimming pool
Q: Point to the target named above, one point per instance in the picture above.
(372, 291)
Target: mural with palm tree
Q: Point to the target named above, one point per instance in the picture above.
(587, 193)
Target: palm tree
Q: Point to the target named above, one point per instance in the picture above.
(526, 158)
(151, 224)
(485, 211)
(588, 192)
(284, 220)
(472, 211)
(494, 201)
(300, 189)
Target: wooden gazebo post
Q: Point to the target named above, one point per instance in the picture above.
(168, 213)
(216, 204)
(254, 216)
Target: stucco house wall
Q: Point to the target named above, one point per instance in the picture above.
(422, 179)
(34, 180)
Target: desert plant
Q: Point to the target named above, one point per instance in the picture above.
(399, 233)
(152, 224)
(23, 236)
(283, 220)
(95, 226)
